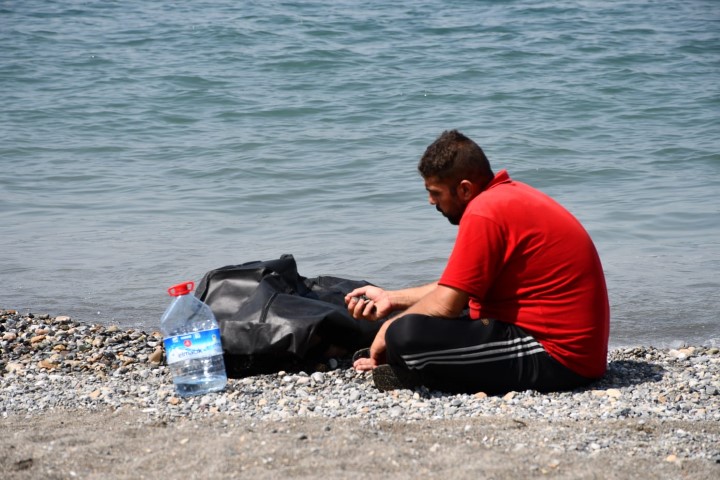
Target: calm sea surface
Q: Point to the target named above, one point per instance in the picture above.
(145, 143)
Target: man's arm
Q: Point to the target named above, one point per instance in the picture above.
(441, 301)
(403, 299)
(379, 303)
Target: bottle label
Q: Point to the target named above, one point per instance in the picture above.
(191, 346)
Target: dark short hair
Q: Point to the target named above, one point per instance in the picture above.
(454, 157)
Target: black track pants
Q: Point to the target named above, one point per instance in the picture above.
(464, 355)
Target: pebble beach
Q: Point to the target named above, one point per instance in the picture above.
(655, 409)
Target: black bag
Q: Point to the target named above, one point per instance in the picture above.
(271, 318)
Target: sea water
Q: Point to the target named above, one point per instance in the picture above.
(145, 142)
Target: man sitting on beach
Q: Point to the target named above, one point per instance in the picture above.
(522, 302)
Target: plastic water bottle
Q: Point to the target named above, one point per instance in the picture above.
(192, 344)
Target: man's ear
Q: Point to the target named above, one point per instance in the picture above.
(467, 190)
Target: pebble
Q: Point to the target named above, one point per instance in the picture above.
(111, 368)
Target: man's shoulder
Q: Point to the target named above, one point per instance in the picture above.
(505, 191)
(513, 201)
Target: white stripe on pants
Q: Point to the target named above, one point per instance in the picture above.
(484, 353)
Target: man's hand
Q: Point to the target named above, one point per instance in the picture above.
(441, 301)
(369, 303)
(365, 364)
(377, 351)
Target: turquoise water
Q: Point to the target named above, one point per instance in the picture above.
(145, 143)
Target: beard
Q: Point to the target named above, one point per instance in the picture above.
(453, 218)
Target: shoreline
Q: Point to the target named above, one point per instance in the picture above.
(73, 396)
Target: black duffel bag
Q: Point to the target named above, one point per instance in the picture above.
(271, 318)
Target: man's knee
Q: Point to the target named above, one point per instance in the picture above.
(396, 334)
(403, 336)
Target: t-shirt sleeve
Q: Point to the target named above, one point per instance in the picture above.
(477, 257)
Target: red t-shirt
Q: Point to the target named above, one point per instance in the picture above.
(524, 259)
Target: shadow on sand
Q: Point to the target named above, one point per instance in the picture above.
(625, 373)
